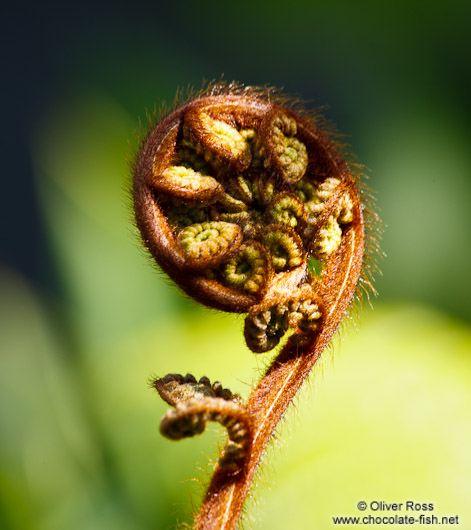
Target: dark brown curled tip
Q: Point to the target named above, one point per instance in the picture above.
(175, 388)
(264, 328)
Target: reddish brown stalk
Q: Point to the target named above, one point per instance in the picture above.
(239, 198)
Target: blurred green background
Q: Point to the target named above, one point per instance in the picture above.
(85, 318)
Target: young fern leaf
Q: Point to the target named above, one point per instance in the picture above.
(234, 194)
(197, 403)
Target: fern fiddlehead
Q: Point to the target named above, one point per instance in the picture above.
(235, 194)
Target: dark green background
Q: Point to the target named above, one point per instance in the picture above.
(84, 319)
